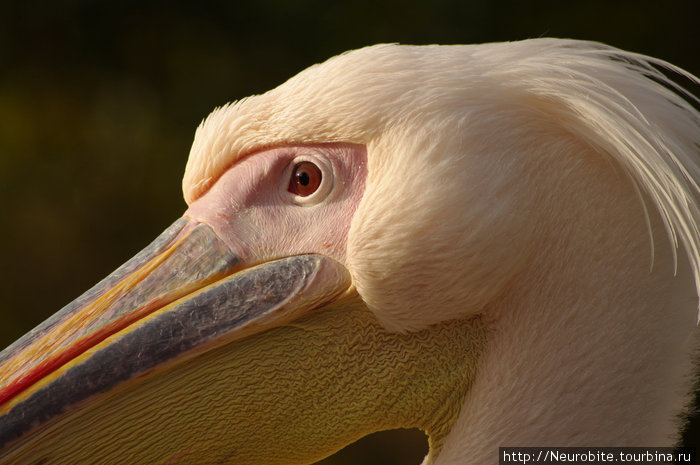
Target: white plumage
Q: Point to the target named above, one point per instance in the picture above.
(534, 183)
(424, 110)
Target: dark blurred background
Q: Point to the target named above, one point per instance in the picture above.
(99, 102)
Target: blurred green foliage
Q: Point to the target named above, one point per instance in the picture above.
(99, 102)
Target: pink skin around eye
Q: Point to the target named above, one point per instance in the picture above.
(251, 209)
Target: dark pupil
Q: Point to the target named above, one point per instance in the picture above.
(303, 178)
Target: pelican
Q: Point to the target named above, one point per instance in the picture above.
(497, 244)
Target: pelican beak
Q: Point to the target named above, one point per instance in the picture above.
(188, 355)
(184, 294)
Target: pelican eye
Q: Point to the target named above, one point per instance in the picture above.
(305, 180)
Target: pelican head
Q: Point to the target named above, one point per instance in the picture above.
(469, 240)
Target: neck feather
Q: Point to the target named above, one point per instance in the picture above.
(592, 345)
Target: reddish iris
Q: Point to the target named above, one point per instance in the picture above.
(306, 177)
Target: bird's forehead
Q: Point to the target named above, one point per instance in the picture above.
(349, 98)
